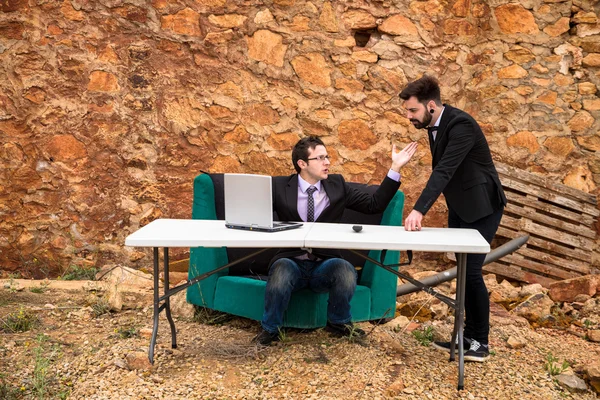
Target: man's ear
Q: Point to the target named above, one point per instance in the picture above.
(302, 164)
(431, 106)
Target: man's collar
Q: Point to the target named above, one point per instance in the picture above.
(305, 185)
(437, 123)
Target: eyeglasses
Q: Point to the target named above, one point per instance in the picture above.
(320, 158)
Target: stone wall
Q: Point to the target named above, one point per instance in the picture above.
(110, 108)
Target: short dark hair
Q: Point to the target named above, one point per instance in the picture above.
(424, 89)
(300, 151)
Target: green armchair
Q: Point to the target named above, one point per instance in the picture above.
(240, 290)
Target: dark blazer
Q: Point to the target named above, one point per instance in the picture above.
(341, 195)
(462, 169)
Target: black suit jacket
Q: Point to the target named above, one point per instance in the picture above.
(462, 169)
(341, 195)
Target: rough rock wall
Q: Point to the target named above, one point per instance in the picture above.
(109, 108)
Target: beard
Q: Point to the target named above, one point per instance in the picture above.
(422, 124)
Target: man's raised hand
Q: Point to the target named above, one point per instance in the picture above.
(399, 159)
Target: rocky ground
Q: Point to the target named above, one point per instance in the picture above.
(80, 350)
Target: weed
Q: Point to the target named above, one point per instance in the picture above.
(587, 323)
(553, 367)
(129, 332)
(11, 284)
(40, 289)
(100, 307)
(283, 336)
(258, 381)
(41, 368)
(208, 316)
(19, 321)
(77, 273)
(354, 336)
(425, 336)
(63, 395)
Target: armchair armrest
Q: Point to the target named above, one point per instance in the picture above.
(381, 282)
(205, 259)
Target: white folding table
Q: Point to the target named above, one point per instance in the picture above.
(213, 233)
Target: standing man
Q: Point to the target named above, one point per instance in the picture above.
(314, 195)
(464, 171)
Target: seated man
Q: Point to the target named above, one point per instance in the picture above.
(314, 195)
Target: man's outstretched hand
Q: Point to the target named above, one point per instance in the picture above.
(399, 159)
(413, 221)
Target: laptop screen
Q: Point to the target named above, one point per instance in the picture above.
(248, 200)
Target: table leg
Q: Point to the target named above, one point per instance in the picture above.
(167, 300)
(455, 330)
(156, 309)
(166, 305)
(461, 262)
(458, 304)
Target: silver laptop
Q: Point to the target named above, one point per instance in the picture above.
(249, 204)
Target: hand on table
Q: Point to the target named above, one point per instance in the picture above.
(413, 221)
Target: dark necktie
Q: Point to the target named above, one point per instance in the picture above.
(432, 130)
(310, 206)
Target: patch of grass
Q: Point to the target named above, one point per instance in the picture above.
(283, 336)
(208, 316)
(258, 381)
(43, 288)
(100, 307)
(40, 369)
(354, 336)
(77, 273)
(128, 332)
(11, 284)
(43, 356)
(425, 336)
(19, 321)
(553, 366)
(63, 395)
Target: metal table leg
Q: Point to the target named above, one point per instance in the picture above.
(168, 292)
(156, 309)
(168, 300)
(455, 330)
(461, 262)
(457, 304)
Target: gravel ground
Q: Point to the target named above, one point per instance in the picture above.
(91, 357)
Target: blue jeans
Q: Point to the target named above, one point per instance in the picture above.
(334, 275)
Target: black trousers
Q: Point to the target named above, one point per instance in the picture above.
(477, 301)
